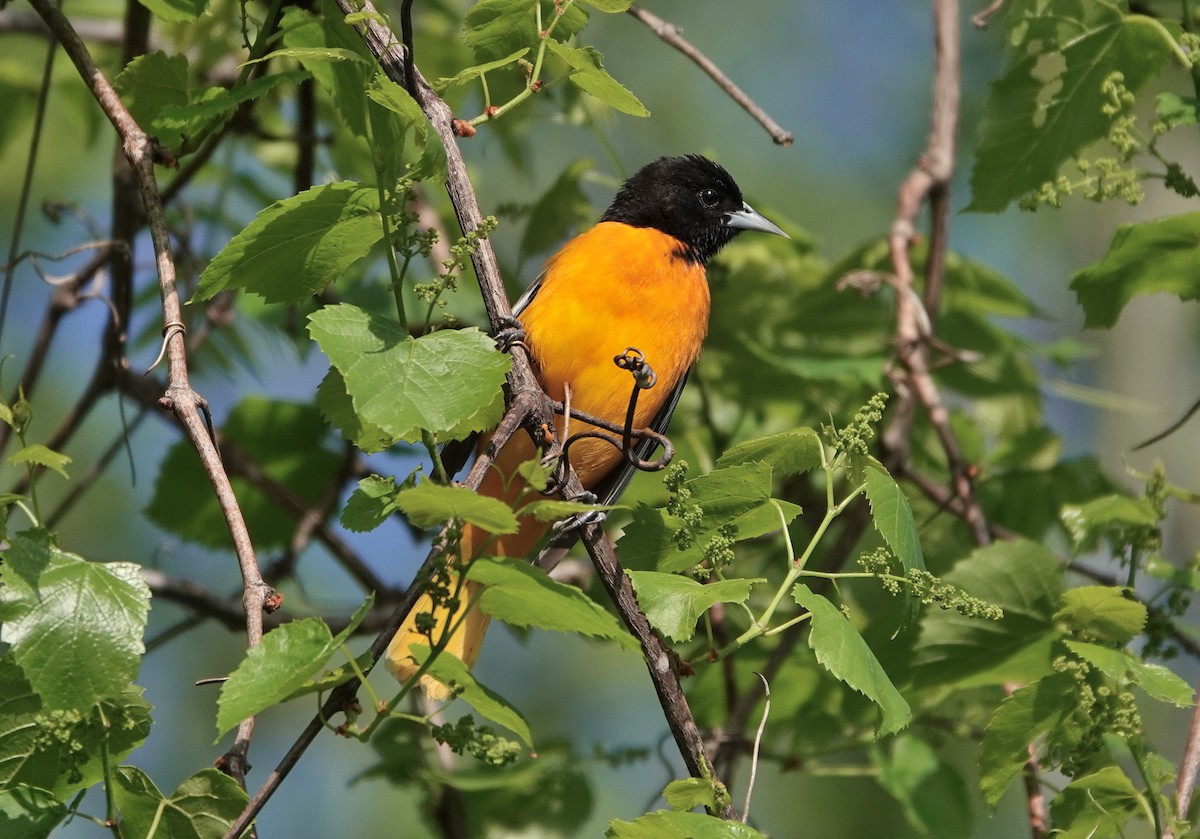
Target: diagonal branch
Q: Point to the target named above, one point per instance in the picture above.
(669, 33)
(180, 398)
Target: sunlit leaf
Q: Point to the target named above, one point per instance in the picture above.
(673, 603)
(843, 652)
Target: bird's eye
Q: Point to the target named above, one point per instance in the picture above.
(709, 198)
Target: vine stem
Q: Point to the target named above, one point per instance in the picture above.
(184, 402)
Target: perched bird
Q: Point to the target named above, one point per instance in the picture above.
(635, 279)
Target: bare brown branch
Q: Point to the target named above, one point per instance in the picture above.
(180, 398)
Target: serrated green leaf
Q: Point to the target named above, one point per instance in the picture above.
(448, 382)
(289, 441)
(297, 246)
(216, 104)
(337, 408)
(610, 6)
(1176, 110)
(521, 595)
(555, 509)
(431, 504)
(1047, 108)
(589, 75)
(931, 792)
(843, 652)
(152, 82)
(32, 755)
(308, 54)
(1028, 713)
(689, 793)
(472, 73)
(668, 824)
(893, 519)
(1161, 255)
(1025, 580)
(1161, 683)
(370, 504)
(75, 626)
(1089, 523)
(280, 666)
(202, 806)
(176, 11)
(738, 495)
(496, 28)
(39, 455)
(451, 672)
(673, 603)
(1106, 611)
(791, 452)
(29, 812)
(559, 212)
(1096, 806)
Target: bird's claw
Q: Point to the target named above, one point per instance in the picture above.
(509, 334)
(580, 520)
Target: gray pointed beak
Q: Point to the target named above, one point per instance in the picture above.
(748, 218)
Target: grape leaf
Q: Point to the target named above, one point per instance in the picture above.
(674, 603)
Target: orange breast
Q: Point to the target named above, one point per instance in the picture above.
(611, 288)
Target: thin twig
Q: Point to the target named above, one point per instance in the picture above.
(669, 34)
(179, 398)
(762, 726)
(1188, 767)
(981, 19)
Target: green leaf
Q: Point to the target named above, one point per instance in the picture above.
(931, 792)
(448, 382)
(496, 28)
(1028, 713)
(279, 666)
(893, 518)
(431, 504)
(297, 246)
(176, 11)
(559, 212)
(450, 671)
(152, 82)
(690, 793)
(472, 73)
(610, 6)
(1025, 580)
(1089, 523)
(1161, 683)
(1176, 110)
(667, 824)
(1162, 255)
(556, 509)
(36, 751)
(791, 452)
(673, 603)
(337, 408)
(1106, 611)
(39, 455)
(521, 595)
(589, 75)
(203, 806)
(75, 626)
(214, 106)
(1096, 806)
(370, 504)
(29, 812)
(843, 652)
(738, 495)
(309, 54)
(289, 441)
(1046, 109)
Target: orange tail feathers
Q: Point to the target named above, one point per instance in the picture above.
(465, 642)
(467, 639)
